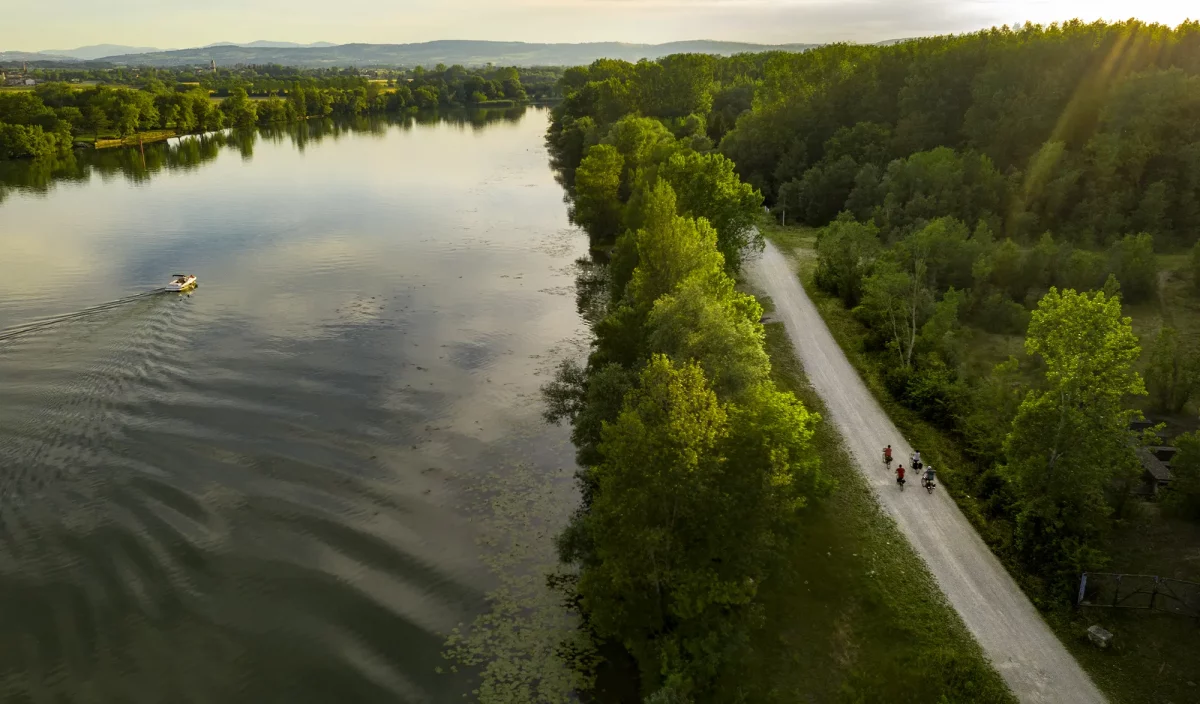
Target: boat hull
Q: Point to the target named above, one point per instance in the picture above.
(177, 287)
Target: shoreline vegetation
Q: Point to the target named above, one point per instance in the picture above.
(56, 116)
(714, 495)
(195, 150)
(982, 213)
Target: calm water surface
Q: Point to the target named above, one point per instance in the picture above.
(267, 490)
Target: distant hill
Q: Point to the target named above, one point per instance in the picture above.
(432, 53)
(9, 58)
(99, 51)
(261, 44)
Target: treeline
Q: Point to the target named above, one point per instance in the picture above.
(48, 119)
(1081, 130)
(41, 175)
(695, 466)
(981, 179)
(538, 82)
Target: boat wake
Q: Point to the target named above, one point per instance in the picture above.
(59, 422)
(36, 325)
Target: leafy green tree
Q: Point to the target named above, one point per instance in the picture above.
(239, 109)
(1083, 271)
(72, 116)
(588, 398)
(707, 186)
(642, 142)
(97, 121)
(675, 86)
(721, 333)
(940, 182)
(1184, 492)
(690, 504)
(597, 192)
(673, 249)
(169, 116)
(846, 253)
(946, 248)
(994, 402)
(1133, 262)
(940, 335)
(898, 303)
(18, 141)
(1070, 439)
(127, 120)
(867, 195)
(426, 97)
(296, 97)
(1003, 268)
(824, 189)
(1172, 375)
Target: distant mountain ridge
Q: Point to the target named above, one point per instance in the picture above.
(466, 52)
(262, 44)
(99, 51)
(450, 51)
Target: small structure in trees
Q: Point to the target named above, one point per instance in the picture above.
(1156, 473)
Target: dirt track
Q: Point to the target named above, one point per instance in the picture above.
(1027, 654)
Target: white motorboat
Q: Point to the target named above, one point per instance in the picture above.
(181, 282)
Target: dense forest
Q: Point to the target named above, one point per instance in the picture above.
(1021, 182)
(57, 114)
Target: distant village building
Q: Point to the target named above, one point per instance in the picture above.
(21, 80)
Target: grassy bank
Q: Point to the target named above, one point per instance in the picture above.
(1154, 659)
(857, 617)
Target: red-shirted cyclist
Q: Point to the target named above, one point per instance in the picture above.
(900, 476)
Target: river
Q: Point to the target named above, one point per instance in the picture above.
(290, 484)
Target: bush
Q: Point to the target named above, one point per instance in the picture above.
(1183, 497)
(999, 314)
(17, 141)
(936, 393)
(1132, 260)
(1083, 271)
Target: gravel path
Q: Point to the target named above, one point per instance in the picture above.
(1027, 654)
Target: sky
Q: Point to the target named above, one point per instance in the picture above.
(66, 24)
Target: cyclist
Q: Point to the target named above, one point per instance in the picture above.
(887, 455)
(916, 459)
(900, 475)
(928, 477)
